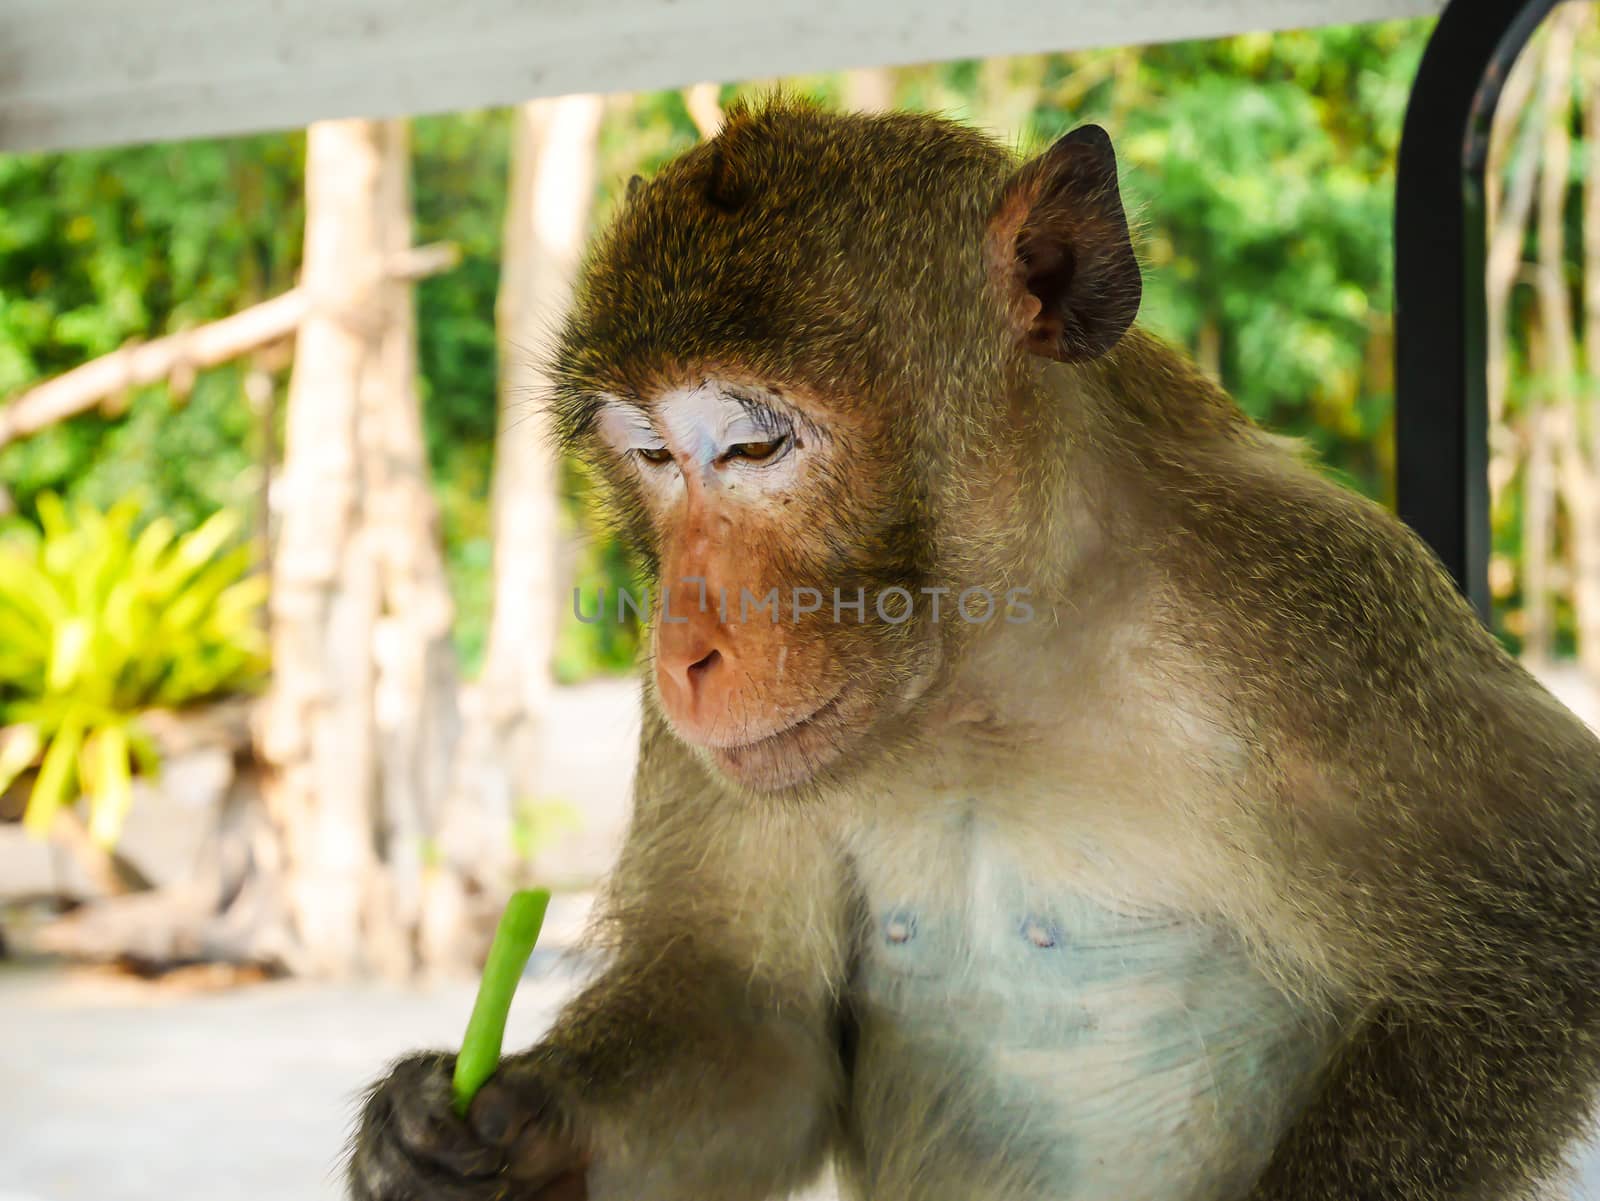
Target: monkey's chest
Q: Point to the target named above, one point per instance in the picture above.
(1017, 1039)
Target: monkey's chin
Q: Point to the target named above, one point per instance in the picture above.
(787, 759)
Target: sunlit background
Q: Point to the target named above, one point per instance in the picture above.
(283, 557)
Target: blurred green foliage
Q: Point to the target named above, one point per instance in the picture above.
(98, 249)
(103, 615)
(1259, 174)
(1259, 170)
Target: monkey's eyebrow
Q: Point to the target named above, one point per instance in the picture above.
(768, 421)
(773, 418)
(601, 401)
(625, 421)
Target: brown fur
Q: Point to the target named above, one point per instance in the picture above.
(1253, 702)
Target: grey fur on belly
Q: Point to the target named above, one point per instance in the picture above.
(1069, 1050)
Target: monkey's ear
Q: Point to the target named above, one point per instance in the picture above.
(1060, 250)
(635, 182)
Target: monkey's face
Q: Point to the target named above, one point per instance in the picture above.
(774, 547)
(749, 366)
(790, 359)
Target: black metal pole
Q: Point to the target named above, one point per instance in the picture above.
(1441, 379)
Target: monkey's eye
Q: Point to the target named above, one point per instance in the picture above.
(656, 456)
(759, 452)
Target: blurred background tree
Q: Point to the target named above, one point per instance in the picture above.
(1543, 290)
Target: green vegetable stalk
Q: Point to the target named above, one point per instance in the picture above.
(508, 955)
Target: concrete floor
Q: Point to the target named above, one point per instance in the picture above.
(120, 1091)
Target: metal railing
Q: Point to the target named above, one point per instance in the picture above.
(1441, 376)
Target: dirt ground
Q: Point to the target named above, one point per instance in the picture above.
(117, 1090)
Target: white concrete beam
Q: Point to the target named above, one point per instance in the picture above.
(100, 72)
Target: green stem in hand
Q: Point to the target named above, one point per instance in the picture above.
(508, 955)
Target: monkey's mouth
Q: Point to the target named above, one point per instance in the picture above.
(788, 756)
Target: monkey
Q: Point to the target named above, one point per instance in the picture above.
(1225, 856)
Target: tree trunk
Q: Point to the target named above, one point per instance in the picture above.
(1550, 423)
(358, 727)
(1513, 150)
(705, 109)
(547, 219)
(869, 90)
(1586, 448)
(417, 681)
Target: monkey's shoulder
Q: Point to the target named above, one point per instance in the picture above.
(1252, 525)
(1318, 601)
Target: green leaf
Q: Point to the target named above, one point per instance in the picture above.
(19, 747)
(68, 653)
(57, 775)
(112, 790)
(98, 622)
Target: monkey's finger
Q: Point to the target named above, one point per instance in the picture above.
(542, 1162)
(420, 1099)
(507, 1106)
(441, 1138)
(385, 1169)
(517, 1114)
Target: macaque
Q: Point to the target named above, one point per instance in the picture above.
(1222, 856)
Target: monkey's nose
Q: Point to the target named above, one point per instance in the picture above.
(701, 668)
(687, 675)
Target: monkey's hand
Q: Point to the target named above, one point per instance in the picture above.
(515, 1144)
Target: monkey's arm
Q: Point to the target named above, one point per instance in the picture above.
(1425, 1108)
(1437, 818)
(1478, 1063)
(703, 1063)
